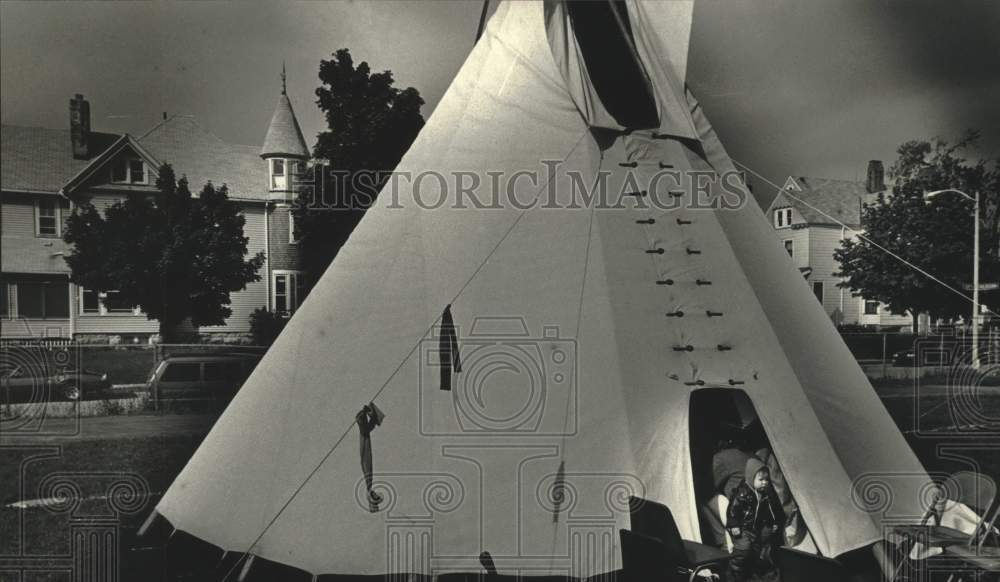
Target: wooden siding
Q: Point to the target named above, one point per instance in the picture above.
(18, 229)
(22, 250)
(255, 295)
(34, 328)
(17, 213)
(284, 255)
(242, 302)
(103, 201)
(823, 241)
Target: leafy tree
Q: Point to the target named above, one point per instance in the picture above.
(174, 256)
(370, 124)
(935, 234)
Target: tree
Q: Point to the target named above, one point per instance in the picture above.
(371, 124)
(934, 235)
(174, 256)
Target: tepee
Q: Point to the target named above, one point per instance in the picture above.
(535, 342)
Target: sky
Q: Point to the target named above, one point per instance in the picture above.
(812, 88)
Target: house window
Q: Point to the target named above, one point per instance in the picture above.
(103, 303)
(871, 307)
(782, 217)
(137, 171)
(790, 247)
(278, 179)
(293, 236)
(47, 218)
(112, 304)
(42, 299)
(129, 171)
(818, 290)
(90, 302)
(4, 300)
(289, 291)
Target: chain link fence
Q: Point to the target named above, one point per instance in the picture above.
(57, 375)
(895, 354)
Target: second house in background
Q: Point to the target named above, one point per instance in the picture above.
(811, 216)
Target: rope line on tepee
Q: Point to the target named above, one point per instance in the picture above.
(558, 486)
(860, 235)
(247, 554)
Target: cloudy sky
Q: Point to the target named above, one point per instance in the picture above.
(812, 88)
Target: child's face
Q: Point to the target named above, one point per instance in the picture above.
(761, 479)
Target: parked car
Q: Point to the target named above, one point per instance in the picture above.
(19, 385)
(215, 376)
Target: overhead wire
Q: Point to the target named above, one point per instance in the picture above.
(860, 235)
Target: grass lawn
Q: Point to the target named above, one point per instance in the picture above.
(150, 463)
(937, 433)
(154, 461)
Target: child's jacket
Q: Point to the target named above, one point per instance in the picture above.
(750, 511)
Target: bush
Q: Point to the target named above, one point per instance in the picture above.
(265, 326)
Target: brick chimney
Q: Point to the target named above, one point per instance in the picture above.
(79, 126)
(876, 177)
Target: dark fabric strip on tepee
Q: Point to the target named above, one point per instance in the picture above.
(368, 418)
(451, 363)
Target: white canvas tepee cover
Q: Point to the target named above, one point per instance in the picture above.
(572, 395)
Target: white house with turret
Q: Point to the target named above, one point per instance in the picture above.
(44, 170)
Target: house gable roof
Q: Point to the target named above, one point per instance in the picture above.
(37, 159)
(125, 142)
(824, 200)
(203, 157)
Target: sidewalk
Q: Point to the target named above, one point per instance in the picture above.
(109, 427)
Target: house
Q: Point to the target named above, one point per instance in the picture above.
(812, 216)
(45, 171)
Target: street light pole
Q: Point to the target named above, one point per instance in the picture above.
(975, 269)
(975, 289)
